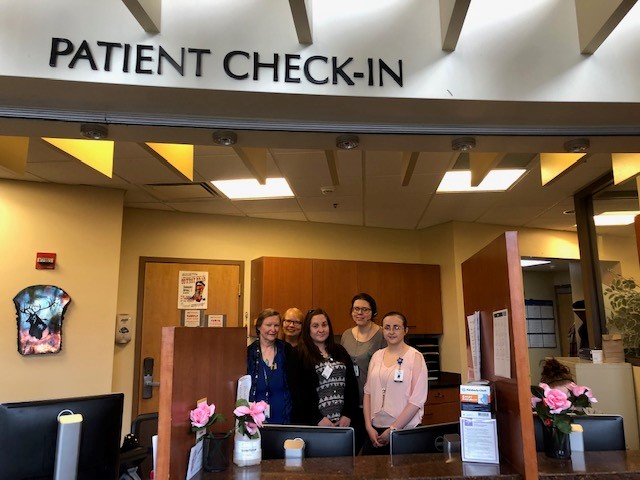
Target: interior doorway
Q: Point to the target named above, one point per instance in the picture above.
(158, 307)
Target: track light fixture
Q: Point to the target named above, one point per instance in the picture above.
(463, 144)
(225, 138)
(347, 142)
(94, 131)
(579, 145)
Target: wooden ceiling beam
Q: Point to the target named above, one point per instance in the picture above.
(625, 166)
(481, 163)
(301, 13)
(13, 153)
(409, 161)
(452, 15)
(148, 13)
(255, 159)
(332, 164)
(597, 19)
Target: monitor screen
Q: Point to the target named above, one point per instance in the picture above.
(318, 441)
(28, 433)
(426, 439)
(599, 432)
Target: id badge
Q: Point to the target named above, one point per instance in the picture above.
(267, 411)
(398, 376)
(356, 370)
(326, 373)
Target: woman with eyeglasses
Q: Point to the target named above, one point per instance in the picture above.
(291, 326)
(361, 342)
(324, 390)
(266, 364)
(396, 389)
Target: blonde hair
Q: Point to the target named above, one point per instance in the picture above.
(296, 312)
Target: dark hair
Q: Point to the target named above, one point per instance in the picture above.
(310, 352)
(396, 314)
(554, 373)
(367, 298)
(266, 313)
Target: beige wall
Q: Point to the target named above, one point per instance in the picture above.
(38, 217)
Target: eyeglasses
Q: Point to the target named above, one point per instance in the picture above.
(293, 322)
(395, 328)
(361, 309)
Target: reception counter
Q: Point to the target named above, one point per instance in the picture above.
(622, 465)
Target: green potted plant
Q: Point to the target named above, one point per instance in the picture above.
(624, 315)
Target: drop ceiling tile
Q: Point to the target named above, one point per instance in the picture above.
(74, 173)
(384, 164)
(179, 191)
(337, 216)
(299, 163)
(297, 216)
(430, 163)
(267, 206)
(149, 206)
(215, 206)
(311, 186)
(326, 204)
(136, 165)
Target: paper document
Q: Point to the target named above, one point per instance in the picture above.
(479, 440)
(473, 325)
(501, 344)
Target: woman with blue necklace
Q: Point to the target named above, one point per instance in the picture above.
(266, 363)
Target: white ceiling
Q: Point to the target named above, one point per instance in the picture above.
(369, 193)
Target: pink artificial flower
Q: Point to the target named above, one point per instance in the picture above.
(578, 390)
(200, 416)
(555, 399)
(535, 401)
(257, 412)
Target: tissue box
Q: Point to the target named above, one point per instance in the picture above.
(612, 348)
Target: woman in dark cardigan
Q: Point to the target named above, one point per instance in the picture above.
(267, 363)
(323, 386)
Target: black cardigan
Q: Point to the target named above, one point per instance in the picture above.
(303, 384)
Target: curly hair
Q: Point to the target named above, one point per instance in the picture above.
(554, 373)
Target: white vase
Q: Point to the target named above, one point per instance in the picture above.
(246, 451)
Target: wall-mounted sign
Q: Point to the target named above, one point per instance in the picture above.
(192, 290)
(217, 320)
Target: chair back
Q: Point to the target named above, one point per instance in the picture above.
(144, 427)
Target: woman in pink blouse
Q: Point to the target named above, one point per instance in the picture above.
(396, 388)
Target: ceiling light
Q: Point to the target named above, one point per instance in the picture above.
(615, 218)
(94, 131)
(463, 144)
(533, 263)
(495, 181)
(250, 189)
(225, 138)
(347, 142)
(579, 145)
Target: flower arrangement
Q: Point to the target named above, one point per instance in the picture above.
(553, 405)
(203, 416)
(250, 417)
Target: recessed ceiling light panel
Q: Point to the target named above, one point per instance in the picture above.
(608, 219)
(532, 262)
(495, 181)
(250, 189)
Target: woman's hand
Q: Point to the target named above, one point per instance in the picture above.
(383, 438)
(325, 422)
(344, 422)
(373, 436)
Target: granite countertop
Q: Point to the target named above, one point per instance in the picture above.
(446, 380)
(622, 465)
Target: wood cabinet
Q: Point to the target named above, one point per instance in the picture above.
(280, 283)
(334, 285)
(413, 289)
(443, 406)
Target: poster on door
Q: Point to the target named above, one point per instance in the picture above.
(193, 290)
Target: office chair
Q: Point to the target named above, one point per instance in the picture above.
(144, 427)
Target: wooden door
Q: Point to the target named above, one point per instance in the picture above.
(335, 282)
(158, 307)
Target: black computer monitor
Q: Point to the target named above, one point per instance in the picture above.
(28, 433)
(318, 441)
(600, 432)
(426, 439)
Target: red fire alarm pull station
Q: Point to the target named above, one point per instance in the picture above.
(45, 261)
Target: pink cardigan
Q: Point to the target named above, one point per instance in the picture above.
(413, 389)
